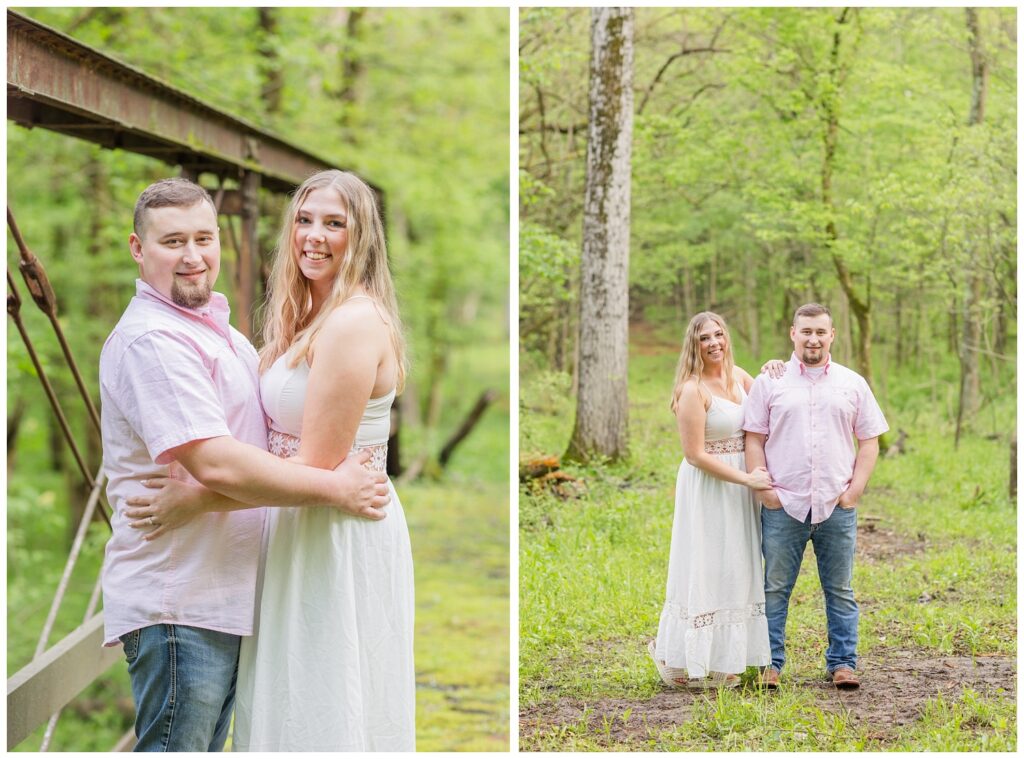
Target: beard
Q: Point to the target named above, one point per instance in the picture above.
(810, 359)
(190, 295)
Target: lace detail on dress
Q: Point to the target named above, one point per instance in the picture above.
(727, 445)
(718, 617)
(285, 446)
(282, 445)
(378, 456)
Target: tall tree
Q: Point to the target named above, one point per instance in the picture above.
(602, 400)
(970, 341)
(272, 85)
(829, 107)
(353, 71)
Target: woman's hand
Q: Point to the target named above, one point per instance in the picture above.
(774, 368)
(759, 479)
(175, 503)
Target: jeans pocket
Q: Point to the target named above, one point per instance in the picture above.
(131, 645)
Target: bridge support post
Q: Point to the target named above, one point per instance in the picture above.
(249, 255)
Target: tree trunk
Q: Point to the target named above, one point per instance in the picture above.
(900, 347)
(353, 72)
(1001, 327)
(979, 69)
(562, 331)
(829, 104)
(270, 70)
(602, 400)
(713, 282)
(15, 416)
(1013, 469)
(689, 297)
(677, 297)
(971, 336)
(750, 301)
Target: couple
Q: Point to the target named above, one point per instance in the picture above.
(784, 440)
(304, 609)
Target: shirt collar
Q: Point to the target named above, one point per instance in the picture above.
(216, 311)
(804, 367)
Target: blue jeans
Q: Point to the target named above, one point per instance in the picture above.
(783, 540)
(183, 682)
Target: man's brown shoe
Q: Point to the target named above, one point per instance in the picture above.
(768, 679)
(845, 678)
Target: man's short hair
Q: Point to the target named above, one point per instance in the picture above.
(176, 192)
(812, 309)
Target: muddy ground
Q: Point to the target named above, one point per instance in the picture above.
(895, 686)
(896, 683)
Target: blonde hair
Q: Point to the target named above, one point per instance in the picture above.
(690, 363)
(289, 321)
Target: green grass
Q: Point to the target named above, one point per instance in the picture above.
(462, 630)
(592, 574)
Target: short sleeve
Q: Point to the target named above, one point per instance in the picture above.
(164, 388)
(755, 410)
(870, 419)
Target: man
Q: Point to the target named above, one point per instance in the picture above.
(801, 426)
(180, 395)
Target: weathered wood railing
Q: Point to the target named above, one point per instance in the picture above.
(51, 681)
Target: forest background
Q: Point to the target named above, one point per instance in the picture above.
(862, 158)
(417, 102)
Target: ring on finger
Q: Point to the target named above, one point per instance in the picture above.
(152, 521)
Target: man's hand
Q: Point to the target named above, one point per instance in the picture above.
(361, 491)
(849, 499)
(770, 499)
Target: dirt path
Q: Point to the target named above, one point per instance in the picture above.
(896, 685)
(896, 682)
(644, 340)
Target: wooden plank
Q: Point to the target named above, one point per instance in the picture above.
(57, 676)
(126, 743)
(249, 254)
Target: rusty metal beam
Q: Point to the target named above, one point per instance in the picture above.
(56, 82)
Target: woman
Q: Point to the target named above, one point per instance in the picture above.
(330, 664)
(712, 624)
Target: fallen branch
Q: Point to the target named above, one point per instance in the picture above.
(423, 461)
(486, 399)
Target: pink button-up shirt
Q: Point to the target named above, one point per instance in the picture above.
(811, 417)
(170, 375)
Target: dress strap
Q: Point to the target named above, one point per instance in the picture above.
(711, 402)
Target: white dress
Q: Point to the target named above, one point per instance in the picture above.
(330, 666)
(713, 618)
